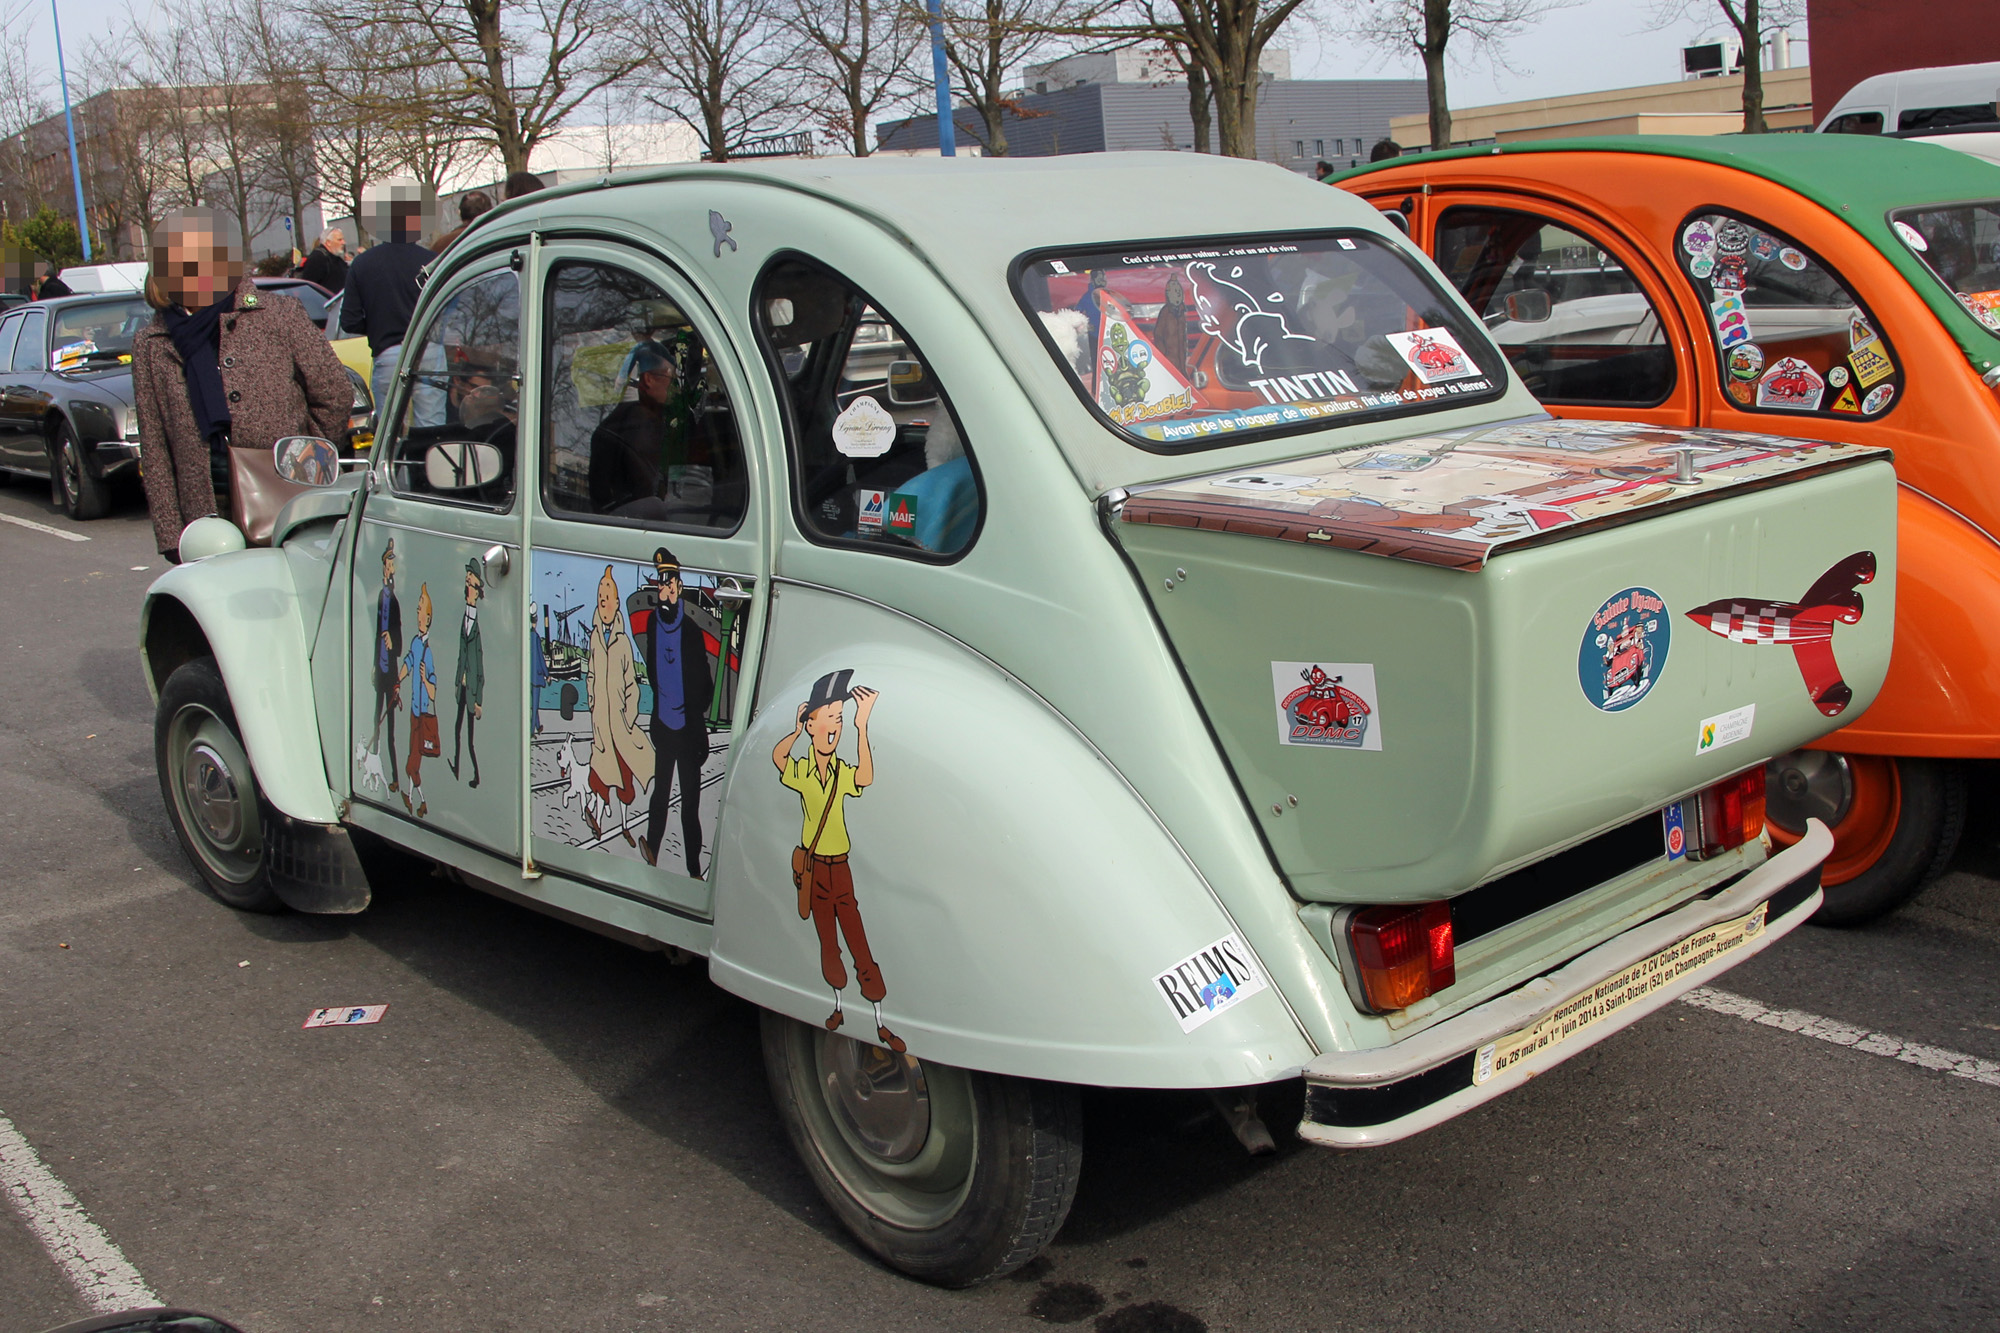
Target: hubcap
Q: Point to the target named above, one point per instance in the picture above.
(212, 794)
(70, 466)
(1808, 784)
(881, 1097)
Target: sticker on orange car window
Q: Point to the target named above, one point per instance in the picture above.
(1792, 386)
(1871, 364)
(1746, 361)
(1985, 307)
(1732, 321)
(1877, 399)
(1792, 259)
(1698, 238)
(1847, 401)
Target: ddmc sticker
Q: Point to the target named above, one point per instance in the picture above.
(1208, 981)
(1433, 354)
(1624, 649)
(1328, 704)
(1607, 998)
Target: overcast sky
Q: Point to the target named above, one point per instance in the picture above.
(1594, 45)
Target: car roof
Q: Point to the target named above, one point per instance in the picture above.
(969, 219)
(1861, 178)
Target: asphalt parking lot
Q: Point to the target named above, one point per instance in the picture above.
(549, 1130)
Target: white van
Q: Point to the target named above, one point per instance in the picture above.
(1918, 99)
(91, 279)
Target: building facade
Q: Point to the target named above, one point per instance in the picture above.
(1690, 106)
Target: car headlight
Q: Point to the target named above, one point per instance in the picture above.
(364, 401)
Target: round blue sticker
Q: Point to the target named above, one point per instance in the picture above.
(1624, 648)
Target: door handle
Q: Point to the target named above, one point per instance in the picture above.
(729, 590)
(496, 554)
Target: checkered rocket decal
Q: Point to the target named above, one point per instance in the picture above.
(1804, 626)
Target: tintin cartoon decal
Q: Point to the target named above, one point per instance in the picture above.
(1134, 382)
(418, 675)
(1624, 649)
(469, 680)
(1238, 319)
(1327, 703)
(820, 866)
(1804, 626)
(1433, 354)
(633, 668)
(388, 693)
(1206, 982)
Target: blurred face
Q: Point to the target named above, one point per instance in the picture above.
(194, 262)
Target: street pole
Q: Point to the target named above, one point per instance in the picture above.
(69, 121)
(940, 75)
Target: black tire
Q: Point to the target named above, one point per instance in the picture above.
(1928, 825)
(210, 789)
(979, 1190)
(80, 495)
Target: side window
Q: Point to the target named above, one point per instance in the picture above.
(9, 329)
(1790, 334)
(455, 438)
(28, 352)
(638, 426)
(1576, 325)
(877, 454)
(1856, 122)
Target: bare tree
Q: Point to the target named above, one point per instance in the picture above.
(518, 68)
(860, 58)
(1753, 21)
(1462, 28)
(348, 73)
(985, 41)
(728, 67)
(23, 101)
(277, 50)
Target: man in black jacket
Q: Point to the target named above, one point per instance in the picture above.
(382, 282)
(676, 658)
(327, 264)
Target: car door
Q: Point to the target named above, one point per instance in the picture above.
(646, 549)
(439, 635)
(10, 331)
(1586, 322)
(26, 395)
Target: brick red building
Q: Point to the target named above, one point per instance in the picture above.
(1855, 39)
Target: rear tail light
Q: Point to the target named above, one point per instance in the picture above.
(1402, 953)
(1728, 814)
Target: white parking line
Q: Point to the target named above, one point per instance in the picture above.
(1955, 1063)
(43, 527)
(95, 1267)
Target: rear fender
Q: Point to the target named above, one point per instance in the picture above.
(1017, 896)
(243, 609)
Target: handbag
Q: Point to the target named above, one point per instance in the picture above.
(802, 856)
(257, 493)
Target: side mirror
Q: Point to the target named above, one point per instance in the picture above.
(911, 384)
(1397, 220)
(306, 460)
(1530, 305)
(462, 465)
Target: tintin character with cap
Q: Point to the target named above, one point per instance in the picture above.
(824, 781)
(621, 756)
(470, 678)
(388, 652)
(420, 670)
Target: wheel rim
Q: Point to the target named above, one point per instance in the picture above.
(214, 795)
(1858, 797)
(71, 466)
(898, 1134)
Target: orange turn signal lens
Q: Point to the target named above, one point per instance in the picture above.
(1403, 952)
(1730, 813)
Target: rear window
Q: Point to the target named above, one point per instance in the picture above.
(1960, 243)
(1188, 345)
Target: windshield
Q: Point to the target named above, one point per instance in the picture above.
(1200, 344)
(1960, 243)
(97, 335)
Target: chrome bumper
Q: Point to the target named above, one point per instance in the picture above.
(1360, 1099)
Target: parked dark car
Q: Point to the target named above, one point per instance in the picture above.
(66, 395)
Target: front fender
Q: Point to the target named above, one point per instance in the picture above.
(1018, 897)
(244, 610)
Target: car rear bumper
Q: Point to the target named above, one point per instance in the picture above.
(1361, 1099)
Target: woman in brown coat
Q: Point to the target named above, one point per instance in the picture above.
(223, 366)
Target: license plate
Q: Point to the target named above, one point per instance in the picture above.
(1612, 994)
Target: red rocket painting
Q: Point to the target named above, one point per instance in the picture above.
(1804, 626)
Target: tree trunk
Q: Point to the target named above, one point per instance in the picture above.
(1753, 68)
(1437, 33)
(1198, 106)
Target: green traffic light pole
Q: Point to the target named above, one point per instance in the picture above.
(69, 122)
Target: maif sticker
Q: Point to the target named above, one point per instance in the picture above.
(1724, 729)
(1624, 649)
(1327, 703)
(1208, 981)
(1433, 354)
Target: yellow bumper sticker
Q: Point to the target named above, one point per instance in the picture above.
(1615, 993)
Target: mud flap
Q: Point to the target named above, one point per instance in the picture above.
(313, 867)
